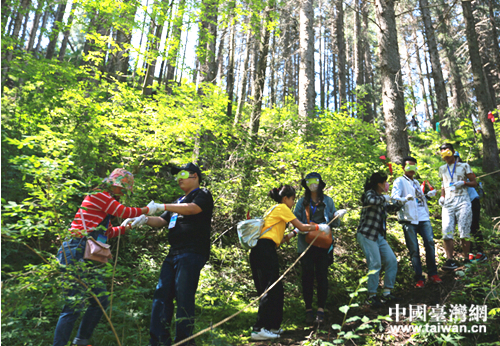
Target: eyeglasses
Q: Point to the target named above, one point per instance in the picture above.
(183, 175)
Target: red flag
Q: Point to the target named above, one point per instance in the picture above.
(248, 215)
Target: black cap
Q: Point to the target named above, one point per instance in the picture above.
(447, 146)
(191, 167)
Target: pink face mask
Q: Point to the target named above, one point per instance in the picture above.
(386, 187)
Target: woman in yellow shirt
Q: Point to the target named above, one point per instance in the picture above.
(265, 265)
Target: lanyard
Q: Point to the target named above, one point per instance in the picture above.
(313, 208)
(182, 198)
(452, 174)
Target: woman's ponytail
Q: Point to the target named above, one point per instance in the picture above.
(277, 194)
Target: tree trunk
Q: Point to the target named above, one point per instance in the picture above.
(358, 47)
(392, 84)
(307, 93)
(56, 28)
(220, 57)
(45, 19)
(458, 93)
(421, 78)
(368, 72)
(490, 147)
(244, 75)
(431, 92)
(272, 82)
(230, 67)
(437, 73)
(25, 25)
(341, 51)
(34, 28)
(494, 37)
(260, 79)
(206, 48)
(410, 78)
(147, 87)
(64, 43)
(173, 51)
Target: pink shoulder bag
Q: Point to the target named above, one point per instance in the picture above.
(95, 250)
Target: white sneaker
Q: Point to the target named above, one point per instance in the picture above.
(276, 331)
(263, 334)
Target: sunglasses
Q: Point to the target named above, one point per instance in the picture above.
(183, 175)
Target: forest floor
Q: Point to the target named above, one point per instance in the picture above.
(431, 295)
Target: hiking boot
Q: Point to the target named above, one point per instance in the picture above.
(436, 279)
(390, 299)
(320, 317)
(450, 265)
(480, 257)
(310, 317)
(374, 302)
(420, 284)
(263, 334)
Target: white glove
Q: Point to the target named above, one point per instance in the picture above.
(340, 213)
(459, 184)
(431, 193)
(441, 201)
(387, 198)
(155, 207)
(136, 221)
(409, 197)
(324, 228)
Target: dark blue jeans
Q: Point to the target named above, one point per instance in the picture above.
(75, 297)
(179, 278)
(423, 228)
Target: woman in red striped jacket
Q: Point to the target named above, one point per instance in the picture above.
(92, 219)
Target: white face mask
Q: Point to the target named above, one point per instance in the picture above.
(313, 187)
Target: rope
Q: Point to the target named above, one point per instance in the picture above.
(256, 299)
(484, 175)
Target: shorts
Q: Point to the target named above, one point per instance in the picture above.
(457, 211)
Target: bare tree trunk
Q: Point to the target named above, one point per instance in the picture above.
(220, 58)
(42, 28)
(494, 36)
(431, 92)
(357, 47)
(490, 147)
(244, 74)
(56, 28)
(392, 85)
(17, 25)
(341, 51)
(458, 94)
(368, 72)
(307, 93)
(64, 43)
(261, 72)
(174, 49)
(272, 81)
(34, 28)
(206, 48)
(437, 74)
(25, 25)
(421, 78)
(147, 87)
(410, 78)
(230, 67)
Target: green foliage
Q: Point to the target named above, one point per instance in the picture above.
(65, 128)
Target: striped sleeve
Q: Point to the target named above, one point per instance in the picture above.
(115, 231)
(103, 201)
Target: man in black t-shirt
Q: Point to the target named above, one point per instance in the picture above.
(189, 222)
